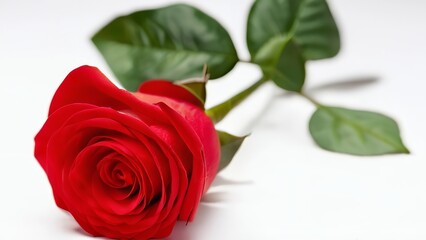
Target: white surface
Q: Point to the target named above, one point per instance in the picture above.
(288, 188)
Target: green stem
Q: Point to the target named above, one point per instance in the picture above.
(310, 99)
(218, 112)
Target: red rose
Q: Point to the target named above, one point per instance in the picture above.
(127, 165)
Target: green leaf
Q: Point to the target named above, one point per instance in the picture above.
(282, 34)
(171, 43)
(229, 145)
(286, 68)
(355, 132)
(309, 23)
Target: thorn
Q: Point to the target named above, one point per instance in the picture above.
(206, 75)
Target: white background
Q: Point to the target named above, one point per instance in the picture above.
(280, 185)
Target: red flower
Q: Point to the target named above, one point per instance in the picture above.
(127, 165)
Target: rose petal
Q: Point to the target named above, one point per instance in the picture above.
(202, 125)
(51, 125)
(81, 84)
(167, 89)
(197, 180)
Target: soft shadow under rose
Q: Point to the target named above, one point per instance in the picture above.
(127, 165)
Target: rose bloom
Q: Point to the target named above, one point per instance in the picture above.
(127, 165)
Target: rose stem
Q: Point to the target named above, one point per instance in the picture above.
(218, 112)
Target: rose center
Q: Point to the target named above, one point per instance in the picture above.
(115, 173)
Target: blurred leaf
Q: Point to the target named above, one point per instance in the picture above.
(229, 145)
(171, 43)
(309, 23)
(282, 34)
(355, 132)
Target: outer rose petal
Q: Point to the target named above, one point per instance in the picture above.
(88, 85)
(168, 89)
(201, 124)
(53, 124)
